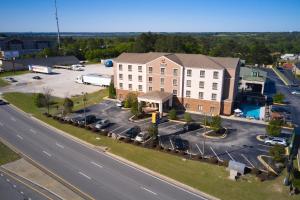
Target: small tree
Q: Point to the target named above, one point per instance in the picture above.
(274, 127)
(153, 131)
(216, 123)
(277, 152)
(68, 105)
(172, 114)
(47, 93)
(187, 117)
(278, 98)
(112, 91)
(135, 108)
(39, 100)
(130, 99)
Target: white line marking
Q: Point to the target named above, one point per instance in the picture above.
(124, 131)
(199, 149)
(1, 124)
(32, 131)
(59, 145)
(230, 155)
(13, 119)
(86, 176)
(115, 129)
(263, 145)
(96, 164)
(14, 186)
(7, 180)
(215, 154)
(106, 109)
(247, 160)
(22, 192)
(148, 190)
(172, 144)
(48, 154)
(19, 136)
(263, 150)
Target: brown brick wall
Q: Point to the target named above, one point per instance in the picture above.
(121, 94)
(206, 105)
(226, 108)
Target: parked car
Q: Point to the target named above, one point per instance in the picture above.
(102, 123)
(275, 140)
(120, 104)
(180, 144)
(10, 79)
(191, 127)
(88, 120)
(37, 78)
(77, 119)
(142, 136)
(2, 102)
(295, 92)
(131, 133)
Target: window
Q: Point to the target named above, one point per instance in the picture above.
(201, 84)
(121, 85)
(200, 95)
(188, 93)
(187, 106)
(174, 82)
(215, 86)
(189, 72)
(140, 69)
(140, 78)
(130, 86)
(120, 67)
(140, 88)
(175, 72)
(130, 68)
(130, 77)
(212, 109)
(200, 108)
(121, 76)
(162, 89)
(162, 71)
(150, 70)
(162, 81)
(150, 89)
(150, 79)
(202, 74)
(175, 92)
(188, 83)
(213, 96)
(216, 75)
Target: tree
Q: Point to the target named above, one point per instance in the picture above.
(274, 127)
(47, 93)
(188, 117)
(112, 91)
(135, 108)
(153, 131)
(278, 98)
(216, 123)
(68, 105)
(277, 152)
(130, 99)
(39, 100)
(172, 114)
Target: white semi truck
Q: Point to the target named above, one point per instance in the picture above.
(94, 79)
(40, 69)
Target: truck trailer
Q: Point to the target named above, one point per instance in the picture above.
(40, 69)
(94, 79)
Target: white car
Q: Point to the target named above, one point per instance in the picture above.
(120, 104)
(296, 92)
(275, 140)
(142, 136)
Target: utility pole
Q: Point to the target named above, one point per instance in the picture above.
(84, 101)
(57, 24)
(205, 124)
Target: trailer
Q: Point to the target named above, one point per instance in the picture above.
(40, 69)
(94, 79)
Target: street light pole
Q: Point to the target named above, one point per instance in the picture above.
(205, 123)
(84, 101)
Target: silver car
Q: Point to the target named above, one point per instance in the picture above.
(275, 140)
(102, 123)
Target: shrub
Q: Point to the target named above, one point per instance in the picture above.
(278, 98)
(172, 114)
(277, 152)
(40, 100)
(187, 117)
(216, 123)
(68, 105)
(274, 127)
(131, 98)
(153, 131)
(112, 91)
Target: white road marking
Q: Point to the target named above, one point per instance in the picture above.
(215, 154)
(48, 154)
(96, 164)
(124, 131)
(263, 150)
(247, 160)
(106, 109)
(13, 119)
(172, 144)
(19, 136)
(33, 131)
(14, 186)
(22, 192)
(150, 191)
(1, 124)
(86, 176)
(199, 149)
(115, 129)
(263, 145)
(59, 145)
(230, 155)
(7, 180)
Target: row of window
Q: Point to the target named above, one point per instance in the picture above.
(150, 69)
(200, 95)
(140, 88)
(201, 84)
(150, 79)
(200, 108)
(202, 74)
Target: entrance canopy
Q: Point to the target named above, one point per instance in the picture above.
(157, 97)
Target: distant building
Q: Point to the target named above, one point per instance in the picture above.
(252, 80)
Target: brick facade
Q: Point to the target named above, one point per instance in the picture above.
(194, 105)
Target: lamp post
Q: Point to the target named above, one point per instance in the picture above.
(84, 101)
(205, 124)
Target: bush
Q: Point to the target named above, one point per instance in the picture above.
(40, 100)
(187, 117)
(277, 152)
(278, 98)
(216, 123)
(274, 128)
(131, 98)
(172, 114)
(153, 131)
(68, 105)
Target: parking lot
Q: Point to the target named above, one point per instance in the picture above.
(62, 81)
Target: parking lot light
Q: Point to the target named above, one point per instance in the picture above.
(84, 102)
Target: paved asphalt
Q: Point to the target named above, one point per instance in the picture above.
(95, 173)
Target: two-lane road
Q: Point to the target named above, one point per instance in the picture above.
(94, 173)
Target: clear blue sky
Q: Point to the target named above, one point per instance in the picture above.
(150, 15)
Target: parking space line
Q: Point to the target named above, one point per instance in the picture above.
(59, 145)
(115, 129)
(96, 164)
(199, 149)
(32, 131)
(125, 130)
(84, 175)
(13, 119)
(150, 191)
(48, 154)
(1, 124)
(247, 160)
(263, 145)
(19, 136)
(215, 154)
(171, 144)
(263, 150)
(230, 155)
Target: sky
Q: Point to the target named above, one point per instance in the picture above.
(151, 15)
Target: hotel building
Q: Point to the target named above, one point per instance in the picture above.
(200, 83)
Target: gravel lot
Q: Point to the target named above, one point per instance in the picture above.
(62, 81)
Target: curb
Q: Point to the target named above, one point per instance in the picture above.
(266, 165)
(118, 158)
(280, 76)
(140, 120)
(213, 137)
(259, 139)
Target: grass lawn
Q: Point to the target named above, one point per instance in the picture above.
(7, 155)
(206, 177)
(10, 73)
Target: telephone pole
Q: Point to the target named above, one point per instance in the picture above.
(57, 24)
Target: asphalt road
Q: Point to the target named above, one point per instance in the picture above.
(95, 173)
